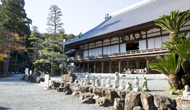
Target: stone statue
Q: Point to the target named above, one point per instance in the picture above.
(97, 83)
(87, 79)
(145, 87)
(93, 80)
(128, 86)
(87, 76)
(82, 82)
(104, 82)
(186, 93)
(99, 78)
(79, 80)
(108, 82)
(116, 80)
(116, 84)
(136, 81)
(136, 88)
(122, 86)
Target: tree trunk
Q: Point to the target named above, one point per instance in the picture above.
(52, 69)
(6, 63)
(186, 68)
(16, 57)
(62, 68)
(175, 82)
(37, 69)
(172, 35)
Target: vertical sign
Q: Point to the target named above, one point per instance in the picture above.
(30, 72)
(26, 71)
(46, 81)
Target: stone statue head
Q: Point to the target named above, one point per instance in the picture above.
(128, 83)
(144, 78)
(187, 88)
(116, 73)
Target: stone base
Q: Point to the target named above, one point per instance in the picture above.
(187, 98)
(183, 105)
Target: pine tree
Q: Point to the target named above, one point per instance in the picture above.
(55, 24)
(36, 41)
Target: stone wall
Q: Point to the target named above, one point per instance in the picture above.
(119, 99)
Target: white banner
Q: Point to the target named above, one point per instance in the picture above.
(46, 81)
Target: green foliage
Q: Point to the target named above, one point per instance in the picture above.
(170, 88)
(57, 70)
(167, 65)
(180, 46)
(36, 42)
(14, 18)
(172, 93)
(11, 67)
(143, 91)
(173, 21)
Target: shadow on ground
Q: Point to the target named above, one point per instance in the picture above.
(4, 108)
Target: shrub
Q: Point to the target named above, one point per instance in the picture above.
(57, 70)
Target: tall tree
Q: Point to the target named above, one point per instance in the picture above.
(54, 24)
(14, 19)
(173, 22)
(36, 41)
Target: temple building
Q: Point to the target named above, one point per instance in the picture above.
(127, 40)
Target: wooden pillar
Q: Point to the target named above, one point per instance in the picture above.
(79, 67)
(87, 67)
(83, 68)
(146, 41)
(137, 64)
(119, 66)
(110, 67)
(102, 48)
(147, 62)
(94, 67)
(119, 45)
(88, 50)
(102, 67)
(127, 64)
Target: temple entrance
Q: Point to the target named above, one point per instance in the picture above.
(132, 46)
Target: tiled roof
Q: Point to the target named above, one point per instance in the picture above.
(145, 11)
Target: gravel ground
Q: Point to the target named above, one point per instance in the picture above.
(16, 94)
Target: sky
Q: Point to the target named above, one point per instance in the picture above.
(78, 15)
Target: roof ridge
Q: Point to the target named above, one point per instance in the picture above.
(131, 7)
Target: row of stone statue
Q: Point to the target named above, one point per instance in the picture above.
(123, 85)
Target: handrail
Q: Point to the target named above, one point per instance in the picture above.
(129, 52)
